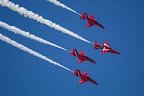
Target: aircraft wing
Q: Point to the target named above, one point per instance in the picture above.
(82, 81)
(89, 24)
(80, 60)
(106, 43)
(91, 17)
(81, 53)
(85, 73)
(105, 50)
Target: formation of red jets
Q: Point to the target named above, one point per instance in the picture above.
(82, 57)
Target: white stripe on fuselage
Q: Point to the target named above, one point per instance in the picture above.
(85, 17)
(76, 54)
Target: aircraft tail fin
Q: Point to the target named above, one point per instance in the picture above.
(97, 45)
(84, 16)
(73, 52)
(76, 72)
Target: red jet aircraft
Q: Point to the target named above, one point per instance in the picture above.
(84, 77)
(105, 48)
(91, 20)
(81, 56)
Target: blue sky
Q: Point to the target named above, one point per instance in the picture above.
(22, 74)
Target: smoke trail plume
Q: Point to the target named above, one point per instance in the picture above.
(28, 35)
(32, 15)
(63, 6)
(30, 51)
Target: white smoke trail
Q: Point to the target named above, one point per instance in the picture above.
(32, 15)
(28, 35)
(62, 5)
(30, 51)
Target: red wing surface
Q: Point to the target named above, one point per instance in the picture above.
(91, 17)
(80, 60)
(84, 73)
(81, 53)
(72, 53)
(82, 81)
(89, 24)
